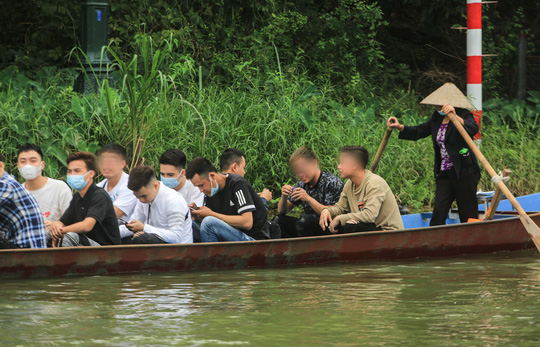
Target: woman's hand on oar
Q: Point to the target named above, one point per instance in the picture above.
(393, 123)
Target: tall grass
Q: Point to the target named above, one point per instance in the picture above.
(267, 117)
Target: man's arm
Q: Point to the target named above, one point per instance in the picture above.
(374, 199)
(340, 207)
(119, 213)
(81, 227)
(284, 205)
(301, 194)
(243, 221)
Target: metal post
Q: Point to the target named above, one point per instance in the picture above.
(94, 37)
(474, 59)
(522, 67)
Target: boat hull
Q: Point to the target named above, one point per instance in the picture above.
(452, 240)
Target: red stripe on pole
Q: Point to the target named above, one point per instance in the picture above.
(474, 16)
(474, 69)
(478, 117)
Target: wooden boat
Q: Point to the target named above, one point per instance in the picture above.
(503, 234)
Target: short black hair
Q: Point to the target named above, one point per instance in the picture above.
(358, 152)
(88, 158)
(229, 157)
(140, 177)
(114, 148)
(174, 157)
(199, 166)
(27, 147)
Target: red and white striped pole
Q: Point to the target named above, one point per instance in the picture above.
(474, 59)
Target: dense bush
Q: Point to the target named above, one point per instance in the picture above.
(158, 104)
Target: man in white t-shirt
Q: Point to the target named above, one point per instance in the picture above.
(53, 196)
(172, 165)
(112, 162)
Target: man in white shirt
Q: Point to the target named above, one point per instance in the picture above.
(161, 214)
(53, 196)
(172, 165)
(112, 162)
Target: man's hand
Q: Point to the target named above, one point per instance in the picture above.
(394, 124)
(448, 109)
(135, 226)
(335, 224)
(202, 212)
(56, 230)
(301, 194)
(47, 224)
(137, 234)
(266, 194)
(325, 220)
(286, 191)
(193, 206)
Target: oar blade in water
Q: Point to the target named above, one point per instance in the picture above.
(532, 229)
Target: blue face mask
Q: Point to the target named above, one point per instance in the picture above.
(77, 182)
(171, 182)
(442, 113)
(214, 190)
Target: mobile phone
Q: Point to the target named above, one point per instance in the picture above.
(290, 196)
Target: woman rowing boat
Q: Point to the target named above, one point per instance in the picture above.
(457, 172)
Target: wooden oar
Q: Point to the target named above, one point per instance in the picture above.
(490, 213)
(380, 151)
(529, 225)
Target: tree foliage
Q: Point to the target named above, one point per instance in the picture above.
(347, 43)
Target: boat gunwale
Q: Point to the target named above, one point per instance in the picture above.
(257, 242)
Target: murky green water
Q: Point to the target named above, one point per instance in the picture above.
(488, 300)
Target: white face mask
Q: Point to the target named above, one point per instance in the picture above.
(30, 172)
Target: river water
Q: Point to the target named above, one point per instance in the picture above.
(482, 300)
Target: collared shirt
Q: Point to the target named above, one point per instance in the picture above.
(21, 222)
(168, 217)
(121, 196)
(326, 191)
(95, 204)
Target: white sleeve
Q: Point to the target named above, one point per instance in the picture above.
(125, 201)
(179, 223)
(198, 198)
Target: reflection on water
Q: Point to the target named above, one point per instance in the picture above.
(489, 300)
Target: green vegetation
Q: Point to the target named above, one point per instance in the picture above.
(159, 102)
(265, 76)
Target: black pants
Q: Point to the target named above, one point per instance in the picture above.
(5, 244)
(462, 190)
(306, 225)
(357, 228)
(147, 238)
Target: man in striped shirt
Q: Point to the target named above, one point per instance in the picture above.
(232, 210)
(21, 222)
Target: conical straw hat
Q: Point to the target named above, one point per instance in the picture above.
(448, 94)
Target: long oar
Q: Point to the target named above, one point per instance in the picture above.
(529, 225)
(380, 151)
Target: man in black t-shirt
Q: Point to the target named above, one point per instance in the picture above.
(233, 211)
(90, 219)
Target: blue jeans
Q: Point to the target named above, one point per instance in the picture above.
(216, 230)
